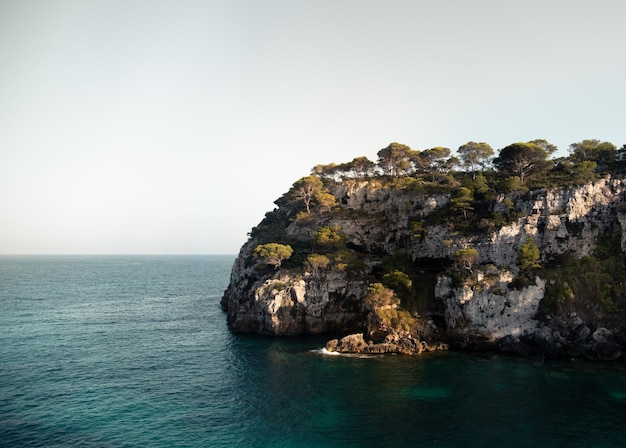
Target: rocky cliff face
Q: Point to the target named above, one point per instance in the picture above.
(379, 221)
(568, 219)
(291, 302)
(490, 308)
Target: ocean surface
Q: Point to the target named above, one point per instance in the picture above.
(134, 351)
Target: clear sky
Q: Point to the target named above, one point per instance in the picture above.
(154, 126)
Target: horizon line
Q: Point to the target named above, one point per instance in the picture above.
(104, 254)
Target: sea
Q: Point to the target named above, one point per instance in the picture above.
(135, 351)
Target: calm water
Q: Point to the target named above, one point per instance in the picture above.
(135, 352)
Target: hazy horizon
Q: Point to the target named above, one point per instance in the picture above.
(134, 127)
(129, 254)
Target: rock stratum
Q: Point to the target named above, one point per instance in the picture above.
(394, 267)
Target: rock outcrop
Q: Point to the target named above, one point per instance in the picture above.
(486, 308)
(356, 344)
(286, 302)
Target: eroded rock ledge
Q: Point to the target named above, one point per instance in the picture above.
(356, 344)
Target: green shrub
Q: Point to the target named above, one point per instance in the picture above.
(398, 319)
(346, 259)
(331, 237)
(317, 262)
(273, 253)
(303, 218)
(556, 295)
(418, 229)
(465, 259)
(379, 295)
(528, 258)
(399, 282)
(594, 285)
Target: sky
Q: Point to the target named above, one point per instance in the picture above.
(170, 127)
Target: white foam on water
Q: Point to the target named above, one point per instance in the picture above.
(323, 351)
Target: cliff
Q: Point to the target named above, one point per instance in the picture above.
(408, 270)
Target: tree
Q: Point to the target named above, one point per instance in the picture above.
(523, 160)
(514, 184)
(585, 171)
(331, 237)
(325, 201)
(465, 258)
(474, 155)
(621, 154)
(449, 164)
(328, 171)
(480, 185)
(305, 190)
(317, 262)
(311, 191)
(462, 200)
(394, 159)
(379, 295)
(358, 167)
(437, 161)
(528, 258)
(273, 253)
(417, 163)
(593, 150)
(399, 282)
(362, 166)
(549, 148)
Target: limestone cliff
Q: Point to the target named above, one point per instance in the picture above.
(291, 302)
(481, 304)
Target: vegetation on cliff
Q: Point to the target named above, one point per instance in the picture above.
(590, 286)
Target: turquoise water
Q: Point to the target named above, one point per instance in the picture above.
(135, 352)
